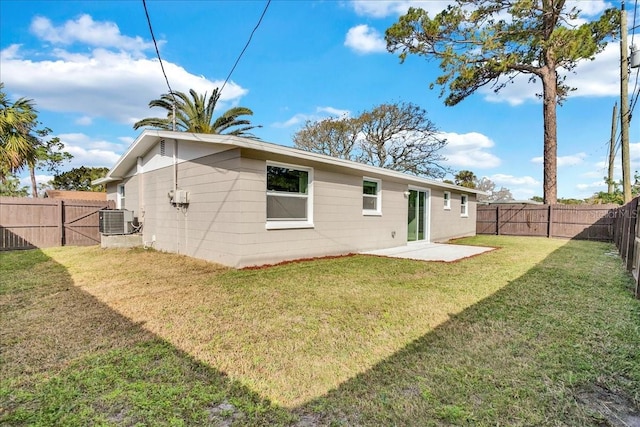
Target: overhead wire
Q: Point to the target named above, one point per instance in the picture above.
(155, 44)
(635, 93)
(245, 46)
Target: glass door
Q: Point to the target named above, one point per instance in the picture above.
(417, 216)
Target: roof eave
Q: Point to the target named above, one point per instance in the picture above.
(149, 137)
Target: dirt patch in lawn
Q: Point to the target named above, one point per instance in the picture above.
(615, 408)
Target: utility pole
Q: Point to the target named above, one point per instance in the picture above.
(612, 148)
(624, 106)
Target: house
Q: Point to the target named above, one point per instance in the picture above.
(243, 202)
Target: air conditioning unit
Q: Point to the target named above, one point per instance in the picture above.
(115, 221)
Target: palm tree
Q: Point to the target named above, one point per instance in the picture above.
(195, 114)
(17, 120)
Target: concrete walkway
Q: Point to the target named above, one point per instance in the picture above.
(431, 251)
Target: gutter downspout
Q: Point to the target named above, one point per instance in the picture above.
(140, 173)
(175, 188)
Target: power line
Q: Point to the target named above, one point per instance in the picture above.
(155, 44)
(246, 45)
(635, 94)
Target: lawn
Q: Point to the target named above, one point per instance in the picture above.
(539, 332)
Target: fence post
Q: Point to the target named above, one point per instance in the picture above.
(61, 221)
(497, 220)
(550, 222)
(633, 210)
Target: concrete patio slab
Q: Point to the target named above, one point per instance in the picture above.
(431, 251)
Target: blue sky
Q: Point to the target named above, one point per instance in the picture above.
(91, 68)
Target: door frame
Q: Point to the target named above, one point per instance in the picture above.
(427, 214)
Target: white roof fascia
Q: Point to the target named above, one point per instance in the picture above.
(149, 138)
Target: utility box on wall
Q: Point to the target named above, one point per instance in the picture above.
(179, 197)
(115, 221)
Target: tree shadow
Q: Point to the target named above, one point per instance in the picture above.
(533, 353)
(69, 359)
(526, 355)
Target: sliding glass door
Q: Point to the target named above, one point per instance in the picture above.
(418, 216)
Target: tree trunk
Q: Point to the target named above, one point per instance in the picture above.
(550, 95)
(34, 185)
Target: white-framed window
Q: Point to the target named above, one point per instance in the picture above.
(120, 201)
(371, 196)
(447, 200)
(464, 205)
(289, 196)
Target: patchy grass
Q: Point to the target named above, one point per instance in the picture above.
(525, 335)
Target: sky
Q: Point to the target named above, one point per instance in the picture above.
(91, 69)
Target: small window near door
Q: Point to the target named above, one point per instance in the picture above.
(464, 205)
(447, 200)
(120, 202)
(371, 196)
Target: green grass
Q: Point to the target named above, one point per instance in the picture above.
(531, 334)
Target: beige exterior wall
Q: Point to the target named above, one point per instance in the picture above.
(450, 224)
(225, 220)
(339, 226)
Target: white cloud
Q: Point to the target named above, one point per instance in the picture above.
(320, 114)
(571, 160)
(509, 180)
(589, 8)
(384, 8)
(112, 81)
(521, 187)
(296, 119)
(594, 186)
(126, 140)
(364, 39)
(89, 32)
(40, 179)
(469, 150)
(334, 111)
(90, 152)
(84, 121)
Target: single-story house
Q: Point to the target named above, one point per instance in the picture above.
(244, 202)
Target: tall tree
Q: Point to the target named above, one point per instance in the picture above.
(488, 186)
(47, 154)
(478, 42)
(400, 136)
(17, 120)
(194, 113)
(79, 179)
(11, 187)
(465, 178)
(22, 145)
(335, 137)
(395, 136)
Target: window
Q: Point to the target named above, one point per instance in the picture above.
(371, 196)
(447, 200)
(120, 201)
(288, 196)
(464, 205)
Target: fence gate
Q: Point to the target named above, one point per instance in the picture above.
(27, 223)
(80, 227)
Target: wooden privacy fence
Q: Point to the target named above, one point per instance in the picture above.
(593, 222)
(626, 236)
(39, 223)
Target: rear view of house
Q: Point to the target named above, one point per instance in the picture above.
(242, 202)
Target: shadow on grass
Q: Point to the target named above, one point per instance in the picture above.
(554, 347)
(68, 359)
(543, 350)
